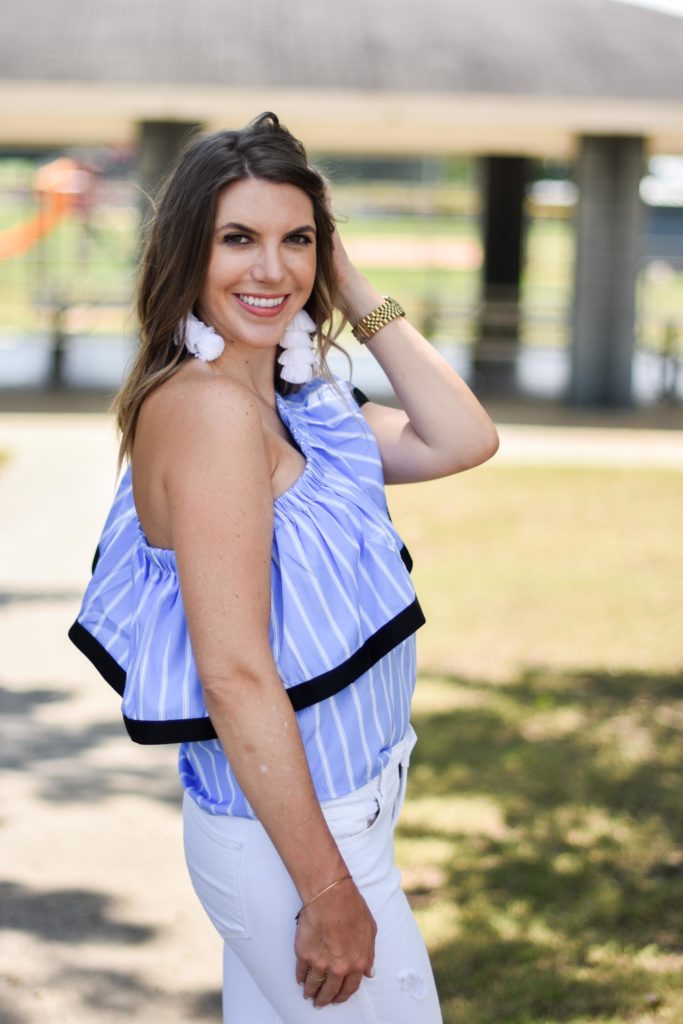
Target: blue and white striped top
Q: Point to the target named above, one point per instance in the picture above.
(347, 738)
(342, 622)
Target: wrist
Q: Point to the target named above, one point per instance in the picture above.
(319, 875)
(357, 297)
(367, 327)
(323, 892)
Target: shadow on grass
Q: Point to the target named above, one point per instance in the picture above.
(565, 899)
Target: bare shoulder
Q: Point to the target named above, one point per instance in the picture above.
(198, 437)
(189, 402)
(192, 412)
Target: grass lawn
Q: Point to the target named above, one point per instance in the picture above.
(542, 840)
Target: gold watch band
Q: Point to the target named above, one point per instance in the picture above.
(380, 317)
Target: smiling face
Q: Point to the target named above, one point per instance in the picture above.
(263, 262)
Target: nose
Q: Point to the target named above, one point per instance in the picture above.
(268, 265)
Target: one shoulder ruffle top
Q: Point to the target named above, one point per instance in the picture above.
(341, 593)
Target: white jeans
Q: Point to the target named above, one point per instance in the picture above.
(250, 898)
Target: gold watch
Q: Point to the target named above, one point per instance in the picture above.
(380, 317)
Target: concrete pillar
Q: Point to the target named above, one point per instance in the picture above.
(504, 189)
(608, 245)
(159, 143)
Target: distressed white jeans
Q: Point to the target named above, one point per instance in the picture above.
(250, 898)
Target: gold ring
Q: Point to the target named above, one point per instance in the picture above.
(315, 977)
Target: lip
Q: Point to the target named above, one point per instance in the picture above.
(263, 312)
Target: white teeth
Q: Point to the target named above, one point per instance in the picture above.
(253, 300)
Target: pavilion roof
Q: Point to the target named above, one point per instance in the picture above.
(577, 52)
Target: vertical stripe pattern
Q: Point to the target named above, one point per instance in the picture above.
(337, 578)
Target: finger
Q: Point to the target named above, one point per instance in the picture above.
(313, 982)
(302, 968)
(328, 990)
(350, 985)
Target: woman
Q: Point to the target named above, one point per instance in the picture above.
(250, 596)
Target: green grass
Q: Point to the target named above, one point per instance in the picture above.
(542, 840)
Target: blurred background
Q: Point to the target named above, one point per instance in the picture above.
(514, 172)
(513, 175)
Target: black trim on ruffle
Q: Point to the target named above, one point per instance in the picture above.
(176, 730)
(405, 557)
(99, 656)
(388, 636)
(303, 695)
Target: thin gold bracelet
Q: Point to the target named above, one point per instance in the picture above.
(322, 892)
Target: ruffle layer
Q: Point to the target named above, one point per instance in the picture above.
(339, 583)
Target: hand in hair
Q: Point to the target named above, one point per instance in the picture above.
(349, 278)
(355, 295)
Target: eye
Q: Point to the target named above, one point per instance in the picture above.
(300, 239)
(236, 238)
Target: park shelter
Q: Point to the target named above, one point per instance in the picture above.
(598, 82)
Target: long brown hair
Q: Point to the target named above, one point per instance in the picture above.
(178, 248)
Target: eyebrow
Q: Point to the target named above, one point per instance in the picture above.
(250, 231)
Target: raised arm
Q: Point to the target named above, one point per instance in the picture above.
(221, 508)
(441, 427)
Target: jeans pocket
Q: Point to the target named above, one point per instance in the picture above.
(352, 819)
(400, 793)
(214, 863)
(402, 787)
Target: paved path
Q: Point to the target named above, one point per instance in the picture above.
(100, 921)
(590, 446)
(102, 925)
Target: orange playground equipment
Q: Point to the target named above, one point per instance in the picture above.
(60, 186)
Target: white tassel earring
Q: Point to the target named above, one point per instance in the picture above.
(201, 340)
(298, 356)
